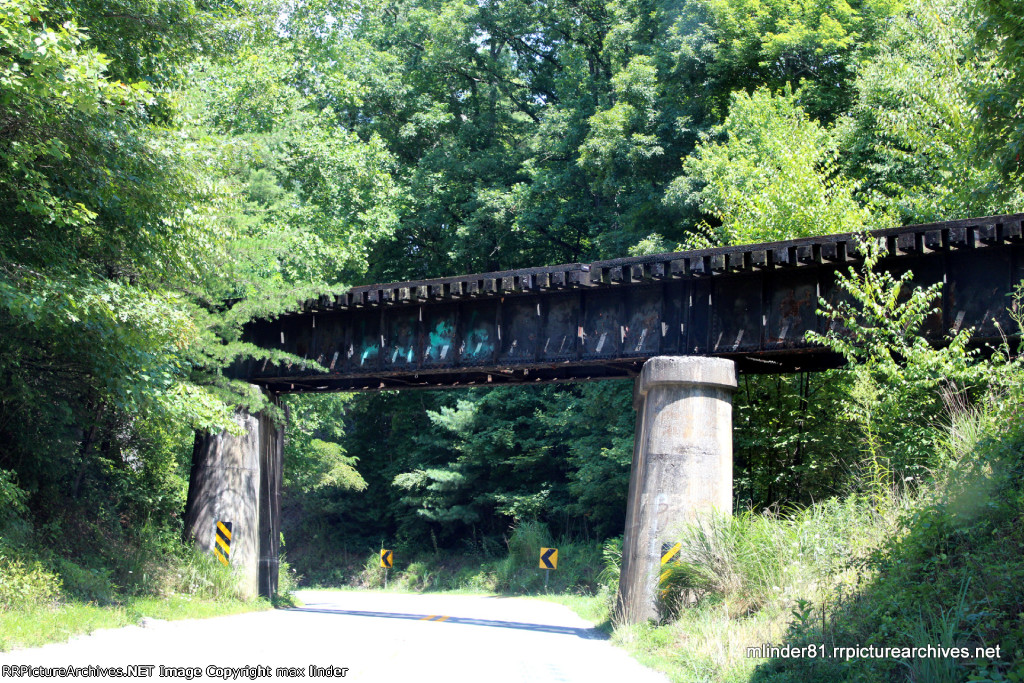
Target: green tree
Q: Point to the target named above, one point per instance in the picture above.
(913, 136)
(1000, 98)
(817, 45)
(894, 371)
(790, 439)
(315, 459)
(306, 197)
(773, 177)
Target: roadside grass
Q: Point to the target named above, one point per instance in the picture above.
(39, 625)
(594, 608)
(703, 644)
(48, 598)
(939, 565)
(510, 570)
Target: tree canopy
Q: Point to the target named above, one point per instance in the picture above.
(170, 170)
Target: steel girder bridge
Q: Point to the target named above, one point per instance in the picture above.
(572, 322)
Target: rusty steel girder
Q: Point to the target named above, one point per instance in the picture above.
(576, 322)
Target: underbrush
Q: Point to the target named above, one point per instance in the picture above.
(48, 593)
(941, 565)
(513, 570)
(744, 580)
(32, 578)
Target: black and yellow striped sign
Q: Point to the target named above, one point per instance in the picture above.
(387, 558)
(667, 553)
(222, 542)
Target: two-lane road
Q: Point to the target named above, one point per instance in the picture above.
(372, 636)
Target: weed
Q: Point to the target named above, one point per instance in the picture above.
(25, 582)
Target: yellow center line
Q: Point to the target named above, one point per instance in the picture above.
(428, 618)
(443, 619)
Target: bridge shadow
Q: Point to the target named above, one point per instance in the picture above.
(584, 633)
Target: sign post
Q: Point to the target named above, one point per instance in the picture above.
(387, 559)
(548, 561)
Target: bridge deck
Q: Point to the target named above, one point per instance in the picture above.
(574, 322)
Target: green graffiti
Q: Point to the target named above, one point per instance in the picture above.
(402, 341)
(370, 349)
(478, 340)
(478, 344)
(369, 352)
(440, 341)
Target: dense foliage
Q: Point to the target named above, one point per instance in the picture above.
(569, 131)
(171, 170)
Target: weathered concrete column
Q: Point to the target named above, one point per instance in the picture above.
(271, 471)
(682, 465)
(237, 479)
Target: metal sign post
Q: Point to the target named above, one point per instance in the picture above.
(387, 559)
(548, 561)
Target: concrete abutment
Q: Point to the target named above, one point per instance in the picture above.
(682, 466)
(237, 479)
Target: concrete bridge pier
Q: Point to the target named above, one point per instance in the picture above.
(682, 466)
(237, 479)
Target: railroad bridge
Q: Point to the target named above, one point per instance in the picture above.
(682, 324)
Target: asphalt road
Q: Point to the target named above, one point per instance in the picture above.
(366, 636)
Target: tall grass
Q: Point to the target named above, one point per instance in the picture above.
(201, 575)
(942, 630)
(934, 561)
(52, 598)
(754, 578)
(751, 560)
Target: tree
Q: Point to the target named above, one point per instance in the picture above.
(1000, 97)
(316, 459)
(773, 177)
(913, 136)
(894, 371)
(816, 45)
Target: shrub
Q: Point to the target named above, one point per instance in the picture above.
(12, 500)
(287, 583)
(611, 560)
(894, 371)
(526, 540)
(25, 582)
(90, 585)
(372, 574)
